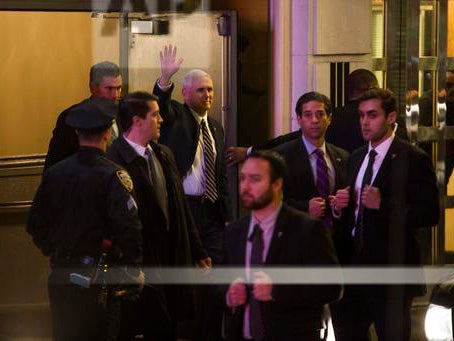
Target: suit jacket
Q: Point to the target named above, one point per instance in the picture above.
(180, 132)
(64, 141)
(297, 241)
(409, 200)
(180, 245)
(300, 186)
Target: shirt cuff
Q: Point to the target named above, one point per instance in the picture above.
(249, 151)
(227, 300)
(336, 214)
(164, 87)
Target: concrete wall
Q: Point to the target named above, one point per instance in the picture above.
(319, 32)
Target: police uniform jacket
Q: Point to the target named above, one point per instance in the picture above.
(80, 201)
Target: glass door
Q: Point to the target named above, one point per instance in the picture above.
(414, 55)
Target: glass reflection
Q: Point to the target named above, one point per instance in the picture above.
(427, 28)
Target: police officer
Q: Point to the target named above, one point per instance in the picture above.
(82, 201)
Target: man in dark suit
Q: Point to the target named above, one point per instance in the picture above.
(393, 192)
(197, 141)
(317, 171)
(312, 163)
(275, 235)
(169, 233)
(105, 82)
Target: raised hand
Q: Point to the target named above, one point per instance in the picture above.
(169, 64)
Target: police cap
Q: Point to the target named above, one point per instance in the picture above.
(94, 113)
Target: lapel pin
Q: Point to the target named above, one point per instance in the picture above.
(393, 156)
(279, 234)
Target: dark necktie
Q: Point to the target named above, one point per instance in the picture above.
(323, 185)
(158, 179)
(209, 170)
(255, 316)
(367, 178)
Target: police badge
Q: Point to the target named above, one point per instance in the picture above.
(125, 180)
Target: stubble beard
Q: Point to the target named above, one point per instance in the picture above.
(261, 202)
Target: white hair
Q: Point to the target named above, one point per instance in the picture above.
(193, 74)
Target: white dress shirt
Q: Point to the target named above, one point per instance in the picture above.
(194, 180)
(138, 148)
(382, 150)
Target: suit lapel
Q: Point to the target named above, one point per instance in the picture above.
(305, 167)
(242, 240)
(276, 239)
(216, 137)
(337, 162)
(162, 158)
(194, 128)
(356, 165)
(393, 151)
(137, 167)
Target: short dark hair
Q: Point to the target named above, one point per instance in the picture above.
(312, 96)
(360, 81)
(278, 167)
(388, 101)
(134, 104)
(101, 70)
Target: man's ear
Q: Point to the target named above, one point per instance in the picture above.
(298, 119)
(277, 185)
(136, 120)
(93, 88)
(329, 118)
(392, 117)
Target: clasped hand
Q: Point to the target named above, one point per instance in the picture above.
(371, 197)
(261, 289)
